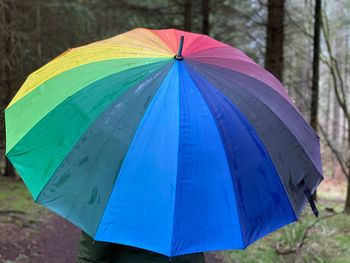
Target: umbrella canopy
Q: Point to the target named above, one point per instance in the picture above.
(201, 151)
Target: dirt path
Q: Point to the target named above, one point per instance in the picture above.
(57, 242)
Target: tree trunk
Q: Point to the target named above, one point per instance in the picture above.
(340, 102)
(335, 133)
(7, 49)
(38, 33)
(346, 49)
(315, 67)
(275, 38)
(205, 17)
(328, 108)
(315, 72)
(2, 78)
(336, 136)
(347, 202)
(188, 15)
(9, 170)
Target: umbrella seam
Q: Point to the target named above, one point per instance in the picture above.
(255, 65)
(161, 39)
(199, 35)
(68, 151)
(241, 222)
(169, 49)
(177, 165)
(95, 231)
(66, 97)
(302, 118)
(40, 83)
(246, 58)
(284, 187)
(203, 36)
(142, 119)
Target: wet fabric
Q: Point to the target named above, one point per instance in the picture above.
(251, 168)
(48, 142)
(75, 178)
(139, 148)
(289, 140)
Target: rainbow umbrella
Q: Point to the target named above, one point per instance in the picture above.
(201, 151)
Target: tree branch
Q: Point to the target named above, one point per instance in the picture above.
(301, 243)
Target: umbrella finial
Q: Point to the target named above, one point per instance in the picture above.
(179, 56)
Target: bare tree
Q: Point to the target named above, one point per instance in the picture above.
(342, 154)
(315, 70)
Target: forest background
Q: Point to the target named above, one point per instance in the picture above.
(304, 43)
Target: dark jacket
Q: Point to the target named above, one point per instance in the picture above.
(91, 251)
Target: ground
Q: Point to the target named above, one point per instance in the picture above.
(43, 246)
(30, 233)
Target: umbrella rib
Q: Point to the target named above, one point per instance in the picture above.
(241, 222)
(76, 139)
(298, 143)
(272, 112)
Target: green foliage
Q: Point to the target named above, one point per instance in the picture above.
(17, 205)
(290, 236)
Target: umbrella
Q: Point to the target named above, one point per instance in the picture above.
(164, 140)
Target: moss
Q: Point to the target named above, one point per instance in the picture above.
(19, 204)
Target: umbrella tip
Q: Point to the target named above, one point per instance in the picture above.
(179, 55)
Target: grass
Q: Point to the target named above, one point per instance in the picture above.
(328, 240)
(20, 218)
(17, 206)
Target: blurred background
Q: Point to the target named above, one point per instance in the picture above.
(304, 43)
